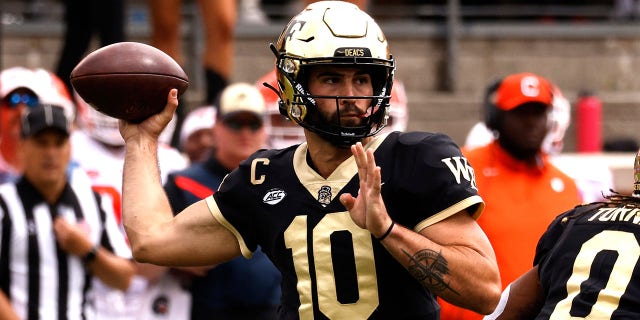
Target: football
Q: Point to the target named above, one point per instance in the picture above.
(128, 80)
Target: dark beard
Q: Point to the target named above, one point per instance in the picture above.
(334, 119)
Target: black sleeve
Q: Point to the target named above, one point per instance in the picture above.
(430, 176)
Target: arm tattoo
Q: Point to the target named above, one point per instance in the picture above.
(430, 267)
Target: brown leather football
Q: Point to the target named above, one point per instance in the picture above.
(128, 80)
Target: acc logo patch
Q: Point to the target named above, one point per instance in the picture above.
(274, 196)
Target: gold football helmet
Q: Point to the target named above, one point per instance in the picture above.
(333, 33)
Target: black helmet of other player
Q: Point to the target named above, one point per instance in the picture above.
(333, 33)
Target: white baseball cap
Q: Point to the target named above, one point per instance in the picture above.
(44, 84)
(241, 97)
(197, 119)
(19, 77)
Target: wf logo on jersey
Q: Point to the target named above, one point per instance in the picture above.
(324, 195)
(460, 168)
(274, 196)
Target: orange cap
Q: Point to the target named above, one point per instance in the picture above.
(521, 88)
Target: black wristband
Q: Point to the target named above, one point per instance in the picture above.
(90, 256)
(393, 223)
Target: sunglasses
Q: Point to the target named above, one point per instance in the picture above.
(15, 99)
(237, 125)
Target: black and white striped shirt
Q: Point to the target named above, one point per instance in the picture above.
(40, 279)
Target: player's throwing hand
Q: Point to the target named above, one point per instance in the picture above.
(153, 125)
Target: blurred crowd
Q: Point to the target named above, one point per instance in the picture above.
(234, 120)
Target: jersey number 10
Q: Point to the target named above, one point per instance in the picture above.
(295, 238)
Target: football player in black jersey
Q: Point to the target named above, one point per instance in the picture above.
(360, 225)
(587, 265)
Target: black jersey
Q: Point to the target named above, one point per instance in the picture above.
(588, 263)
(331, 268)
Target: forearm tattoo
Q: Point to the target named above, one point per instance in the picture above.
(429, 267)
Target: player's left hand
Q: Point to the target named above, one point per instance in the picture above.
(367, 209)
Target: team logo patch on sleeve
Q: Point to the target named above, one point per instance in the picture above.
(274, 196)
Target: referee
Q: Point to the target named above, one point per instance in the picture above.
(55, 234)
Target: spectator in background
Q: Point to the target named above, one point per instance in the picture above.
(196, 135)
(55, 235)
(592, 175)
(240, 288)
(20, 89)
(523, 190)
(83, 19)
(98, 149)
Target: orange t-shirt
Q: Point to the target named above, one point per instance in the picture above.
(521, 201)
